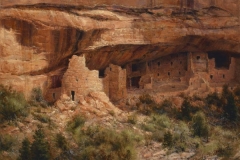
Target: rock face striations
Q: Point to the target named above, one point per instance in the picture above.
(38, 38)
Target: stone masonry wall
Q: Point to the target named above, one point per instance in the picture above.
(169, 68)
(200, 62)
(195, 70)
(116, 81)
(53, 94)
(79, 80)
(221, 75)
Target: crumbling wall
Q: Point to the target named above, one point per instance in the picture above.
(199, 62)
(221, 75)
(53, 94)
(79, 80)
(146, 81)
(116, 80)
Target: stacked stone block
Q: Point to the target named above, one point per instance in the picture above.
(79, 80)
(116, 81)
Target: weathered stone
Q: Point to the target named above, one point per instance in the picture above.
(36, 43)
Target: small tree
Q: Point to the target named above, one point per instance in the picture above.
(186, 109)
(37, 98)
(200, 126)
(61, 142)
(40, 148)
(168, 139)
(25, 150)
(230, 109)
(12, 104)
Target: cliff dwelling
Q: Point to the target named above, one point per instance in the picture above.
(197, 72)
(184, 71)
(70, 68)
(122, 51)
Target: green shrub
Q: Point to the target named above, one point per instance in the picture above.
(165, 107)
(158, 136)
(132, 119)
(200, 125)
(42, 118)
(225, 151)
(186, 109)
(6, 142)
(147, 105)
(75, 123)
(146, 98)
(161, 121)
(61, 142)
(24, 151)
(237, 91)
(40, 147)
(37, 98)
(168, 139)
(157, 123)
(112, 113)
(12, 104)
(148, 127)
(213, 99)
(230, 109)
(101, 143)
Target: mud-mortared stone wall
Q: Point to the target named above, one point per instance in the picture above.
(116, 82)
(79, 80)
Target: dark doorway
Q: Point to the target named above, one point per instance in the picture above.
(211, 76)
(198, 57)
(54, 96)
(135, 82)
(73, 95)
(56, 81)
(101, 73)
(222, 60)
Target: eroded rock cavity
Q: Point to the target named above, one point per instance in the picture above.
(165, 47)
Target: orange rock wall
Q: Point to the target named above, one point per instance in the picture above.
(230, 5)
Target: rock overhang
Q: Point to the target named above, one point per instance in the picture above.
(118, 35)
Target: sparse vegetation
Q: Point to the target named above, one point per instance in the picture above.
(40, 147)
(200, 125)
(42, 118)
(168, 139)
(102, 143)
(213, 99)
(24, 151)
(6, 142)
(61, 142)
(204, 130)
(230, 108)
(37, 98)
(147, 105)
(77, 122)
(132, 118)
(186, 110)
(12, 104)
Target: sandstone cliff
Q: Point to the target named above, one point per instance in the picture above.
(37, 40)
